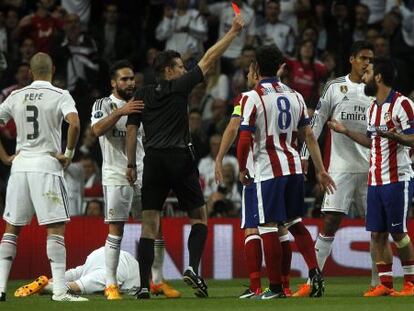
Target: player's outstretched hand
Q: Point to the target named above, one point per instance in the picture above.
(326, 181)
(131, 175)
(245, 178)
(337, 126)
(238, 23)
(64, 161)
(218, 173)
(133, 106)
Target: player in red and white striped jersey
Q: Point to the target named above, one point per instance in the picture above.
(272, 117)
(346, 161)
(282, 159)
(390, 186)
(252, 242)
(390, 161)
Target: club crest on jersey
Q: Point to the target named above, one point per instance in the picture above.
(113, 106)
(98, 114)
(344, 89)
(387, 117)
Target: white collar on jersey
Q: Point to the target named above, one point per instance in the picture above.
(116, 100)
(349, 81)
(41, 83)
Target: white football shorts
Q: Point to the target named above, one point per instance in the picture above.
(119, 201)
(35, 192)
(350, 188)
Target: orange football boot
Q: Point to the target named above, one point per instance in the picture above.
(112, 292)
(408, 290)
(379, 290)
(165, 289)
(370, 289)
(303, 291)
(32, 288)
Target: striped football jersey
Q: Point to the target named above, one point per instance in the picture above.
(389, 161)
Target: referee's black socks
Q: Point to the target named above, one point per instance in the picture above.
(196, 242)
(145, 259)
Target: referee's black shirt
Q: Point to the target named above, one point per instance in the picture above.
(165, 116)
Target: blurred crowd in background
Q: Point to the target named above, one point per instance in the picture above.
(84, 37)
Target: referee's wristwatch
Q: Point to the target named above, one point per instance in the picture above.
(131, 166)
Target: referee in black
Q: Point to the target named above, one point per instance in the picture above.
(169, 156)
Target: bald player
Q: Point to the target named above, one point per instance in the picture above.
(36, 183)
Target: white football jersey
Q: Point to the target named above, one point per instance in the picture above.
(38, 111)
(113, 144)
(346, 102)
(274, 113)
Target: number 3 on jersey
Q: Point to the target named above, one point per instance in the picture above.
(33, 119)
(285, 118)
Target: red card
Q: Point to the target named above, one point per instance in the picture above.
(235, 8)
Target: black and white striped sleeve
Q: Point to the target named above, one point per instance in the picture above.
(99, 110)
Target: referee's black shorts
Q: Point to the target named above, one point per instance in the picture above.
(166, 169)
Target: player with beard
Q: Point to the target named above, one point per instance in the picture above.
(390, 132)
(108, 121)
(346, 161)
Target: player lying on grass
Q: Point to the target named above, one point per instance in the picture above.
(89, 278)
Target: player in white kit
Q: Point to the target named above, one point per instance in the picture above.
(108, 121)
(89, 278)
(347, 162)
(36, 183)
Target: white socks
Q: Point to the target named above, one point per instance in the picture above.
(56, 252)
(323, 248)
(112, 250)
(48, 289)
(8, 247)
(156, 269)
(375, 280)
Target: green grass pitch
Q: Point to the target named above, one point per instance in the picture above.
(341, 294)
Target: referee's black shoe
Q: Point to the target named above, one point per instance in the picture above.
(143, 293)
(2, 296)
(196, 282)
